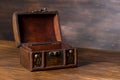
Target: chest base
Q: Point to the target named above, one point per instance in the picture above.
(45, 57)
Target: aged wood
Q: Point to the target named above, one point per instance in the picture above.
(48, 59)
(93, 65)
(36, 27)
(38, 35)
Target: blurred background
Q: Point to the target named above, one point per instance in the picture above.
(84, 23)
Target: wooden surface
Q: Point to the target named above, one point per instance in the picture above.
(93, 65)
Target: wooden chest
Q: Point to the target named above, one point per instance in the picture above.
(38, 36)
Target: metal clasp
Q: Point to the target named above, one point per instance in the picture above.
(39, 11)
(44, 10)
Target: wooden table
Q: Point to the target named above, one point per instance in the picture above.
(92, 65)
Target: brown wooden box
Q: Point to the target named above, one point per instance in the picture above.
(38, 35)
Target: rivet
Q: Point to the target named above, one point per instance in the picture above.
(70, 51)
(36, 55)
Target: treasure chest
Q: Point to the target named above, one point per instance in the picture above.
(38, 35)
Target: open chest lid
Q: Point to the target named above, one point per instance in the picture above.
(37, 26)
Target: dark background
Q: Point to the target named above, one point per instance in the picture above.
(84, 23)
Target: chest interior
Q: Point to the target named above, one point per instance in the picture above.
(38, 28)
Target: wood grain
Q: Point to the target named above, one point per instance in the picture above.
(84, 23)
(93, 65)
